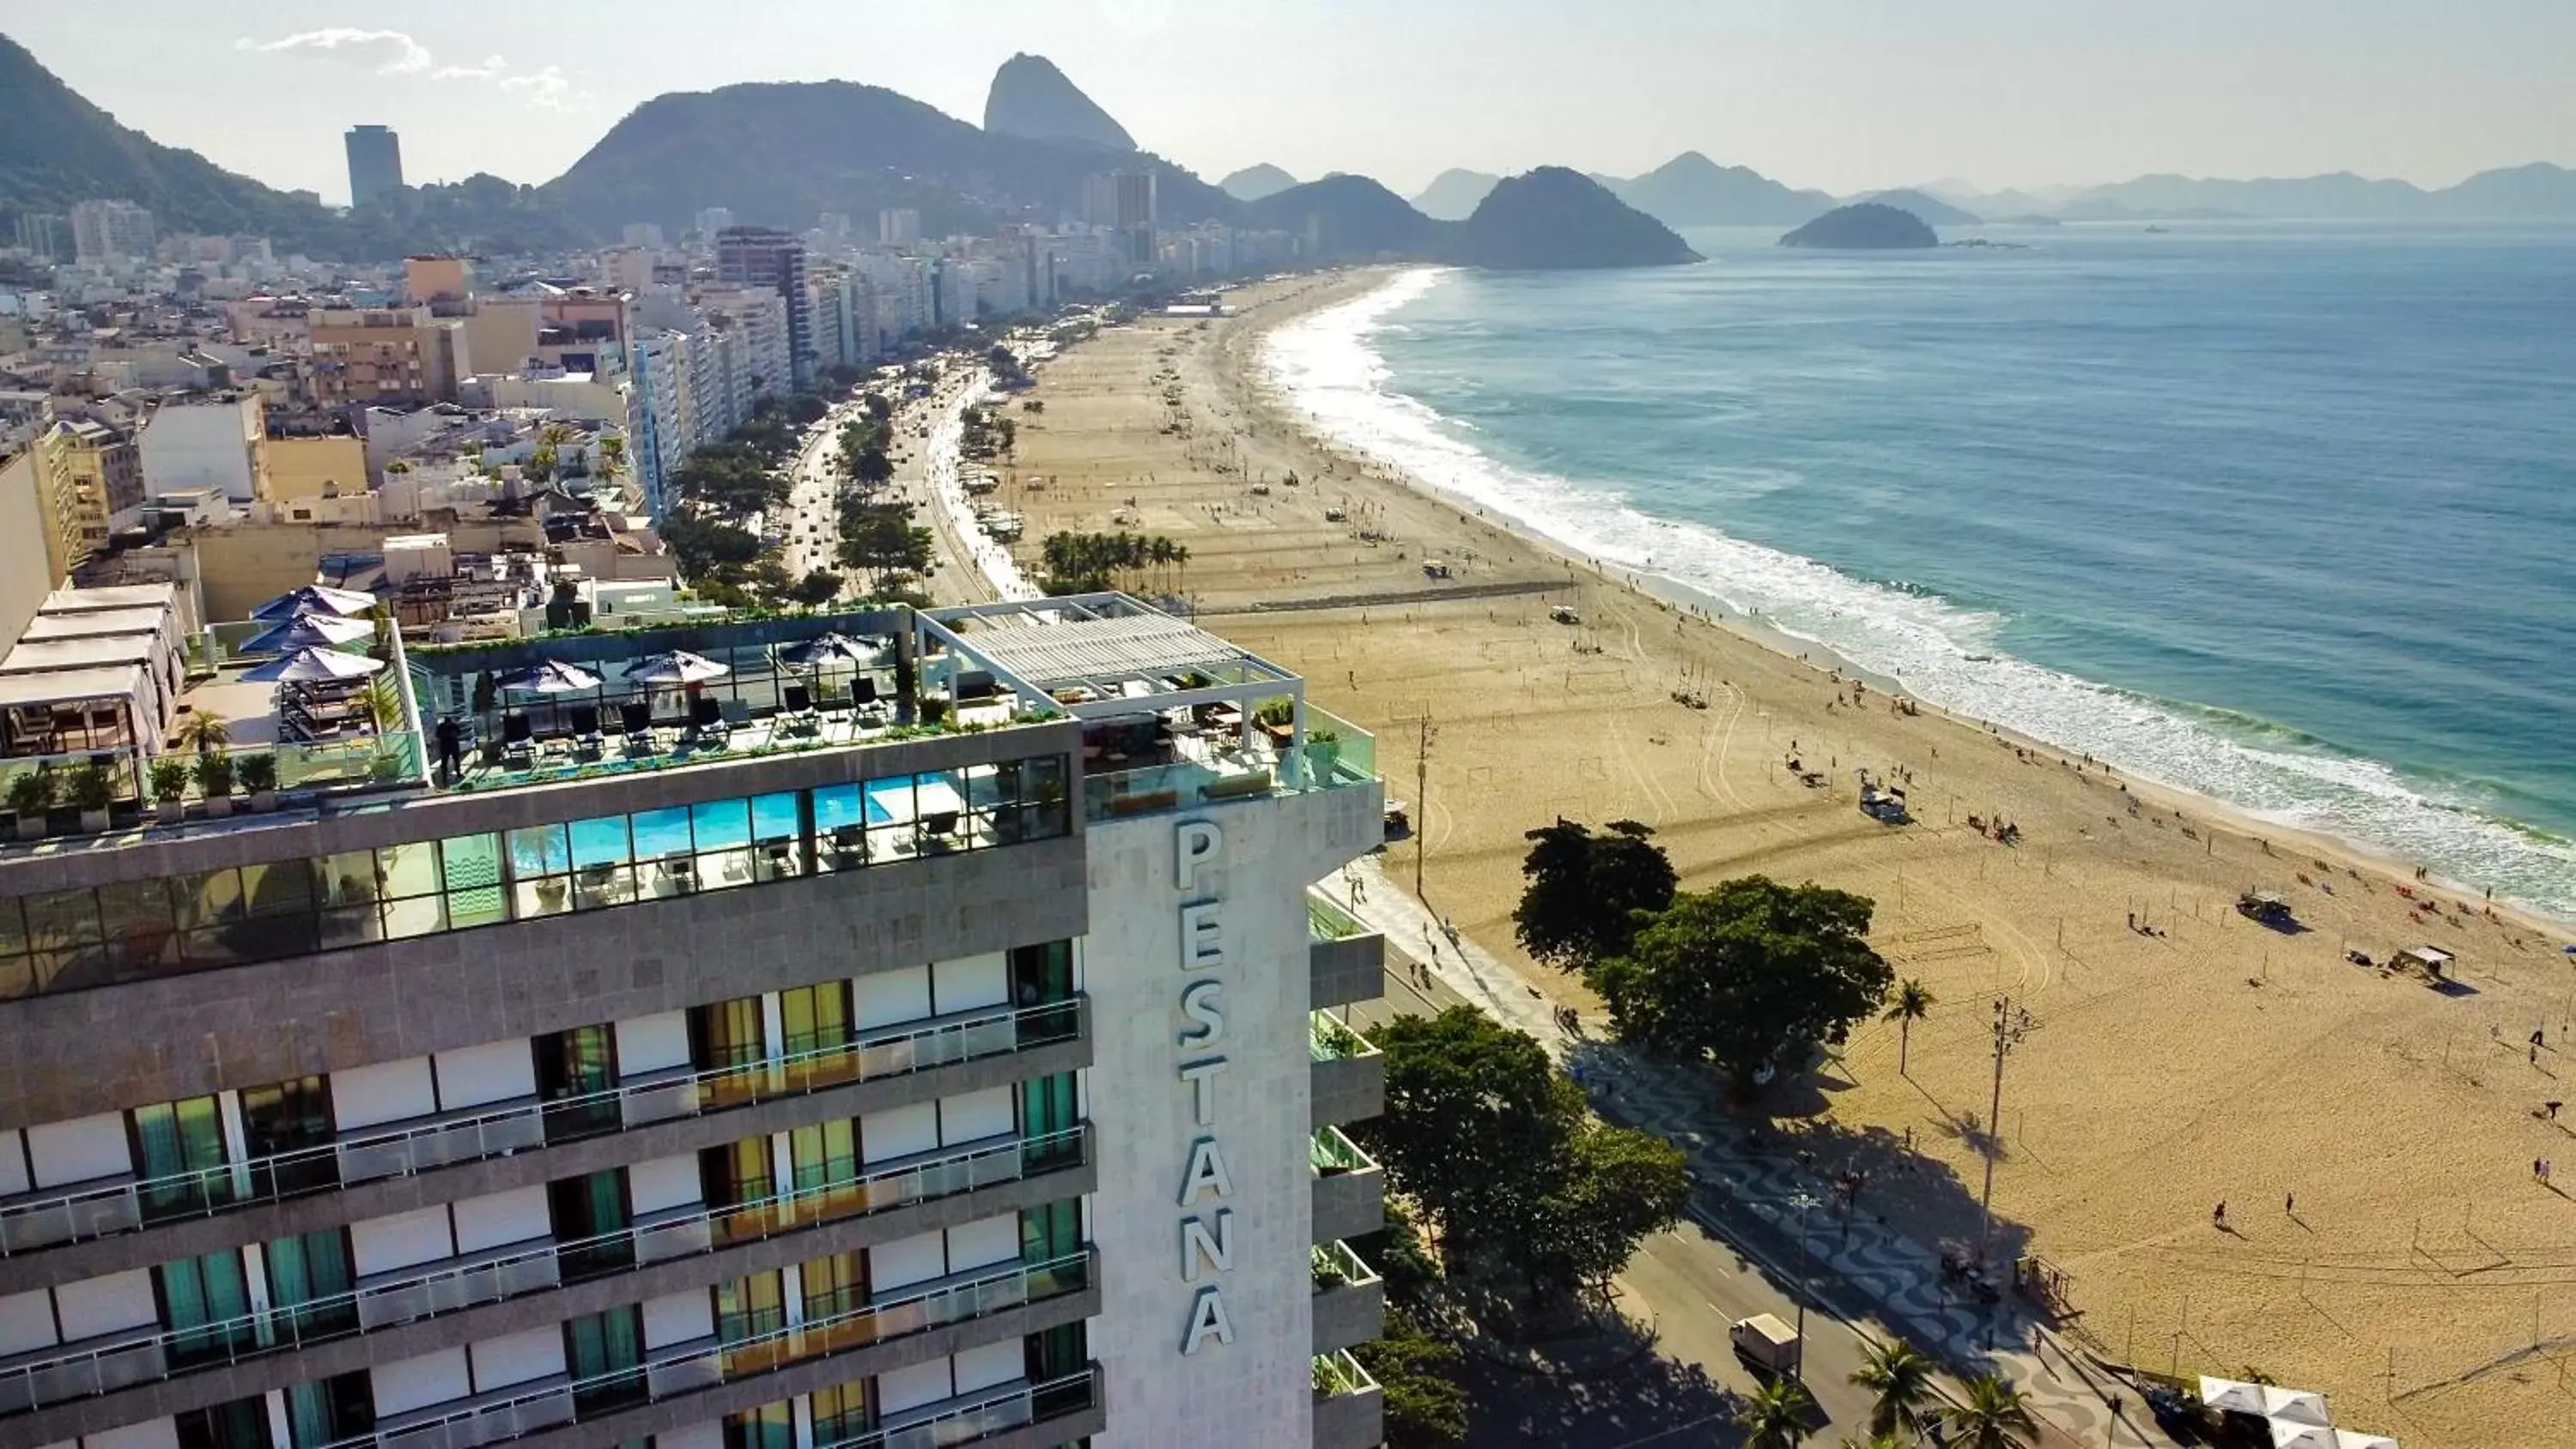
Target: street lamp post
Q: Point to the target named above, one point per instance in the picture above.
(2011, 1025)
(1802, 1201)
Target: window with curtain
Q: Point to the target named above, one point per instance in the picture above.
(177, 1147)
(1056, 1352)
(834, 1284)
(1047, 1107)
(574, 1068)
(1049, 1233)
(292, 1120)
(591, 1211)
(726, 1034)
(326, 1411)
(205, 1305)
(237, 1424)
(770, 1426)
(840, 1414)
(599, 1351)
(311, 1269)
(1043, 976)
(815, 1017)
(737, 1173)
(825, 1153)
(748, 1307)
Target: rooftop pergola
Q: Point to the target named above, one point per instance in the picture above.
(1125, 656)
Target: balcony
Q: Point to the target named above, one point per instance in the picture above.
(1350, 1188)
(974, 1418)
(708, 1363)
(1350, 1410)
(1349, 1080)
(1345, 960)
(434, 1142)
(1350, 1298)
(409, 1294)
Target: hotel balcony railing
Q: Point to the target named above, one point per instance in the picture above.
(708, 1363)
(1347, 757)
(1327, 921)
(1328, 1040)
(980, 1416)
(1338, 1374)
(1338, 1266)
(1332, 1154)
(404, 1295)
(438, 1142)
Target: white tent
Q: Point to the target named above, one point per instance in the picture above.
(2234, 1397)
(2292, 1434)
(2296, 1405)
(2352, 1439)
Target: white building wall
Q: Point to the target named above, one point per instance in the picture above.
(1257, 1390)
(201, 445)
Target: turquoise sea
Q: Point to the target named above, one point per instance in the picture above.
(2282, 514)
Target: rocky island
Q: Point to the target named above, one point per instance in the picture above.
(1868, 226)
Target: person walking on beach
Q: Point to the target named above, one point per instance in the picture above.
(2290, 1205)
(2218, 1216)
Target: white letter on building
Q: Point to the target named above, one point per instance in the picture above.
(1202, 936)
(1207, 1316)
(1199, 1245)
(1199, 841)
(1202, 1001)
(1201, 1075)
(1206, 1173)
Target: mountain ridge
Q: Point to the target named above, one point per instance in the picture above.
(1032, 99)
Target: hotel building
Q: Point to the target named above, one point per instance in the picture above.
(909, 1031)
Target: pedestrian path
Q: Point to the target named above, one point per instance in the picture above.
(1898, 1279)
(947, 486)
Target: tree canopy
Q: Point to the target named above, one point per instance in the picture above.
(880, 539)
(1530, 1195)
(1753, 975)
(1586, 891)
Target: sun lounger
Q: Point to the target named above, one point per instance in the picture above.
(707, 727)
(796, 715)
(518, 742)
(849, 847)
(636, 717)
(587, 743)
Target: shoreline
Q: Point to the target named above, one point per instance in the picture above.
(1268, 397)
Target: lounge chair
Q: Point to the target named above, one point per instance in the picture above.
(587, 743)
(938, 826)
(636, 717)
(864, 695)
(681, 869)
(849, 847)
(796, 714)
(707, 727)
(518, 742)
(778, 853)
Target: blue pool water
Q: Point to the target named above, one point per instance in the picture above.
(2285, 515)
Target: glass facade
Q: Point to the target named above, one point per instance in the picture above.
(136, 930)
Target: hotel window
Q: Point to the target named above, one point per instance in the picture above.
(834, 1285)
(591, 1212)
(602, 1352)
(840, 1414)
(825, 1153)
(749, 1307)
(815, 1017)
(726, 1034)
(770, 1426)
(205, 1307)
(179, 1145)
(290, 1120)
(737, 1173)
(238, 1424)
(576, 1070)
(1043, 976)
(1048, 1112)
(1057, 1352)
(312, 1269)
(327, 1411)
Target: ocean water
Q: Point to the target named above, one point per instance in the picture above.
(2283, 515)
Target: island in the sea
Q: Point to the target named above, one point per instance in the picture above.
(1867, 226)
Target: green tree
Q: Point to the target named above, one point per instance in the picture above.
(1994, 1415)
(816, 589)
(1882, 1441)
(999, 359)
(873, 468)
(1585, 891)
(1899, 1380)
(1775, 1415)
(877, 406)
(1530, 1195)
(805, 409)
(879, 539)
(1753, 976)
(1913, 1002)
(1416, 1371)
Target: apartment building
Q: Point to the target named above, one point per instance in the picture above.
(364, 357)
(920, 1045)
(757, 256)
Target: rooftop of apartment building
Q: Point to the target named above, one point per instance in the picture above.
(351, 718)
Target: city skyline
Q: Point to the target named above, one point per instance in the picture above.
(2013, 96)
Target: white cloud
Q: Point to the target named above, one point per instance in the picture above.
(394, 52)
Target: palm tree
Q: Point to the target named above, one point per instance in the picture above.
(1775, 1415)
(1882, 1441)
(203, 731)
(1901, 1380)
(1995, 1416)
(1913, 1003)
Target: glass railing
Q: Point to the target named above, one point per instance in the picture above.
(1330, 1041)
(489, 1279)
(980, 1416)
(1327, 921)
(1336, 1266)
(364, 1156)
(1332, 1154)
(709, 1364)
(1338, 752)
(1338, 1374)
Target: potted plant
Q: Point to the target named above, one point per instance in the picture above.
(170, 789)
(215, 782)
(1277, 719)
(31, 795)
(259, 778)
(204, 731)
(93, 793)
(1323, 749)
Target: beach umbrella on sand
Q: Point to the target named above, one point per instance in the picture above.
(313, 599)
(679, 666)
(828, 649)
(2295, 1434)
(312, 666)
(547, 677)
(309, 631)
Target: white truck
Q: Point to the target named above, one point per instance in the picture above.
(1767, 1344)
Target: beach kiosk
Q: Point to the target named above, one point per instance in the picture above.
(2433, 961)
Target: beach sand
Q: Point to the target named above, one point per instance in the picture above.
(2214, 1059)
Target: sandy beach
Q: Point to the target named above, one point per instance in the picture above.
(2180, 1055)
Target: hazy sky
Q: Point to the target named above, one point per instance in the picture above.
(1841, 94)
